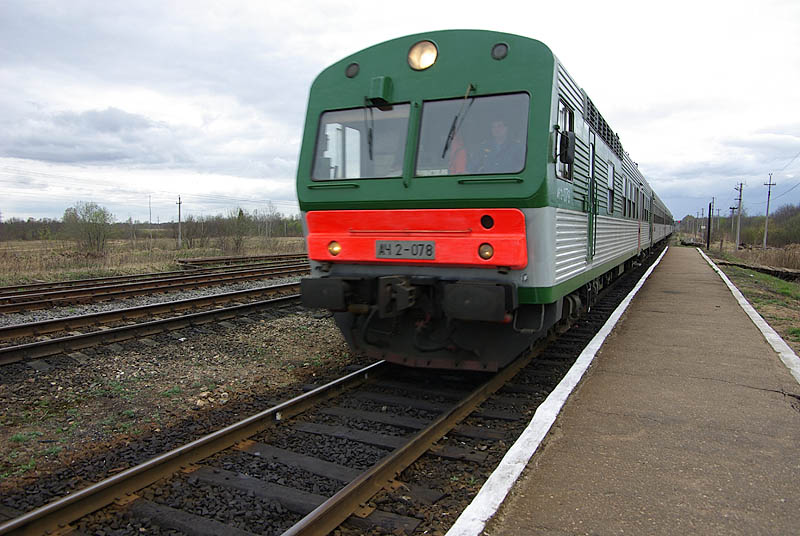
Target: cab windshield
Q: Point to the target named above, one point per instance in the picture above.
(361, 143)
(473, 136)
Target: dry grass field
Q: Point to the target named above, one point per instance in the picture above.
(785, 257)
(50, 260)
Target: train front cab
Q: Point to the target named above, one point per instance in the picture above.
(432, 258)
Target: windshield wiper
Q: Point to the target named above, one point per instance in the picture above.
(369, 126)
(456, 124)
(450, 136)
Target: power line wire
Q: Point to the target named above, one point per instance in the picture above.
(790, 161)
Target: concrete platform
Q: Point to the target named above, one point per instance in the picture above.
(687, 423)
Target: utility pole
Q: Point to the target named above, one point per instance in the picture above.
(769, 186)
(179, 221)
(700, 224)
(150, 219)
(739, 217)
(711, 215)
(732, 211)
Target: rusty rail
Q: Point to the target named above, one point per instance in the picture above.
(88, 295)
(59, 513)
(39, 349)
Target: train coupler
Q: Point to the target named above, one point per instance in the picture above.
(395, 295)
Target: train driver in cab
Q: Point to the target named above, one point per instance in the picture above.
(501, 153)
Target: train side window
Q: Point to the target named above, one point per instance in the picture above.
(566, 123)
(610, 187)
(625, 187)
(637, 207)
(632, 201)
(642, 206)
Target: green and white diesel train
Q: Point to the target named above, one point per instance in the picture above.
(461, 195)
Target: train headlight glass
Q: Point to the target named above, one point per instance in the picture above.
(486, 251)
(422, 55)
(334, 248)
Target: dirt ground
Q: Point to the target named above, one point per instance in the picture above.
(48, 418)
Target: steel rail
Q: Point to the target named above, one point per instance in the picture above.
(39, 349)
(151, 284)
(333, 512)
(79, 321)
(113, 294)
(61, 512)
(15, 290)
(217, 260)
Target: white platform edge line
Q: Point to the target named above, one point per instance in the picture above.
(493, 492)
(785, 352)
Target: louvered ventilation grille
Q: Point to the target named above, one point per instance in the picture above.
(603, 130)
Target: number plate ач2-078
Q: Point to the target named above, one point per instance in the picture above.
(405, 249)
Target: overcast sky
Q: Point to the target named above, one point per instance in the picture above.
(132, 104)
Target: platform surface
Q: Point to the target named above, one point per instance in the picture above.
(681, 426)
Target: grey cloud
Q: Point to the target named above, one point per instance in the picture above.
(152, 44)
(108, 120)
(94, 136)
(115, 137)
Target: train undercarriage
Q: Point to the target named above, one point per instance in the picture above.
(432, 322)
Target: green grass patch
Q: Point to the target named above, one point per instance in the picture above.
(52, 451)
(69, 428)
(794, 333)
(765, 282)
(24, 437)
(13, 466)
(172, 392)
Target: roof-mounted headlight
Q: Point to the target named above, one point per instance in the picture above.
(422, 55)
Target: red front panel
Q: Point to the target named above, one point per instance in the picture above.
(372, 236)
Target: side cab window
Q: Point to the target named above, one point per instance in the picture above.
(566, 123)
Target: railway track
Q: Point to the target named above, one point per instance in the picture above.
(317, 514)
(128, 329)
(62, 297)
(33, 288)
(216, 261)
(364, 450)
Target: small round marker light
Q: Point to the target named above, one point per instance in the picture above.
(352, 70)
(500, 51)
(334, 248)
(486, 251)
(422, 55)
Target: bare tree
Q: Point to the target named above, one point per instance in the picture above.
(90, 225)
(271, 216)
(238, 230)
(195, 233)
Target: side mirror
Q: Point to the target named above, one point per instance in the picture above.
(566, 153)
